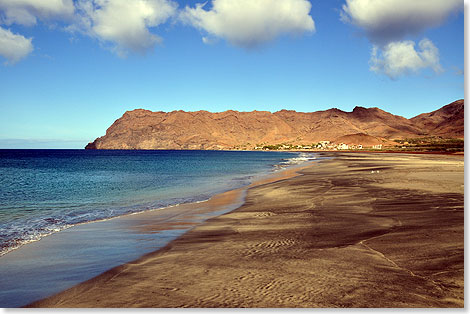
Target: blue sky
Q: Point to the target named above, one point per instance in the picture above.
(68, 69)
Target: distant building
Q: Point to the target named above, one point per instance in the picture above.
(378, 146)
(343, 146)
(323, 144)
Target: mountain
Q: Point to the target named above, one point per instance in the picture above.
(144, 129)
(447, 121)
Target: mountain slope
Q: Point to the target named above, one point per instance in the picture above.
(447, 121)
(361, 139)
(144, 129)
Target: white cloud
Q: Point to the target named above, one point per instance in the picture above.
(14, 47)
(387, 22)
(248, 23)
(401, 57)
(123, 23)
(26, 12)
(391, 20)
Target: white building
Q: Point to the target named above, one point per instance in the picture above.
(323, 144)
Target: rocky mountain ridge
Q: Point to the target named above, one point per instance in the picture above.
(144, 129)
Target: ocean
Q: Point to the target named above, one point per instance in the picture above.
(43, 192)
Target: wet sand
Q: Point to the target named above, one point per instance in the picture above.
(64, 259)
(359, 230)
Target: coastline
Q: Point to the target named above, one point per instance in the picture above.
(94, 247)
(40, 230)
(334, 236)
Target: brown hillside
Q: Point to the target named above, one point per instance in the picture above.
(447, 121)
(143, 129)
(362, 139)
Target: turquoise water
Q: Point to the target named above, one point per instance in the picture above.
(45, 191)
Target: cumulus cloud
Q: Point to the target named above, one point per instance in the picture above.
(26, 12)
(391, 20)
(387, 22)
(14, 47)
(248, 23)
(123, 23)
(401, 57)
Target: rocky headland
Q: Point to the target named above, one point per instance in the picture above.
(144, 129)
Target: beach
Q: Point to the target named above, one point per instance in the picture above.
(354, 230)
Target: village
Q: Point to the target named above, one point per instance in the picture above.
(322, 145)
(430, 144)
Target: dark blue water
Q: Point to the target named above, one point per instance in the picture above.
(45, 191)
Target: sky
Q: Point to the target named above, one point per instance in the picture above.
(70, 68)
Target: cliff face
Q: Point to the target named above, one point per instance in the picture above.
(143, 129)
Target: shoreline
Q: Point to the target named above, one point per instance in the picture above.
(312, 151)
(66, 227)
(317, 152)
(150, 229)
(222, 235)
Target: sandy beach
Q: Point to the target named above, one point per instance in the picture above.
(356, 230)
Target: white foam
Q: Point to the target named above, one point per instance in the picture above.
(299, 159)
